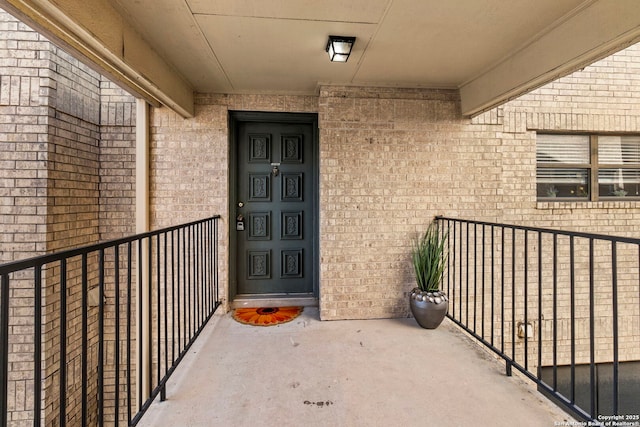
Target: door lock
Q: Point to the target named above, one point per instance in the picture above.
(240, 223)
(275, 169)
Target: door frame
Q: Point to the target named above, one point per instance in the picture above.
(234, 119)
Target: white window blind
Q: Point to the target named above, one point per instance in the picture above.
(562, 149)
(618, 150)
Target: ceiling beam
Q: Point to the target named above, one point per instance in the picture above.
(98, 33)
(593, 31)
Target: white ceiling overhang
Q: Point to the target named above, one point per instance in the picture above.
(491, 50)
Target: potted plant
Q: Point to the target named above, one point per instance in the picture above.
(427, 302)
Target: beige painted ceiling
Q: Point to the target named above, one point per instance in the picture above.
(279, 45)
(491, 50)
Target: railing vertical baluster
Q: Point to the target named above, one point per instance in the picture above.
(85, 341)
(37, 347)
(475, 275)
(452, 296)
(156, 339)
(129, 297)
(206, 270)
(513, 294)
(201, 267)
(201, 270)
(493, 277)
(188, 267)
(614, 296)
(572, 298)
(592, 335)
(483, 278)
(502, 291)
(555, 311)
(192, 290)
(205, 267)
(62, 371)
(198, 278)
(211, 257)
(101, 296)
(526, 296)
(185, 298)
(4, 350)
(149, 303)
(216, 251)
(179, 304)
(165, 311)
(192, 278)
(173, 297)
(116, 309)
(466, 305)
(461, 275)
(140, 323)
(208, 275)
(539, 305)
(448, 259)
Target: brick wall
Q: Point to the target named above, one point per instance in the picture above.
(67, 140)
(117, 162)
(391, 160)
(190, 161)
(22, 125)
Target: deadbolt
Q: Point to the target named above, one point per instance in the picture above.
(240, 204)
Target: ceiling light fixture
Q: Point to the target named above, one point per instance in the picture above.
(339, 48)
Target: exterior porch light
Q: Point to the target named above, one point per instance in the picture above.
(339, 48)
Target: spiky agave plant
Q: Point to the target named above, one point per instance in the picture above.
(430, 258)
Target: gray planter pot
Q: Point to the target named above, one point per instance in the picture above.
(428, 309)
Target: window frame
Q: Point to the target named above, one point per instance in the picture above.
(593, 168)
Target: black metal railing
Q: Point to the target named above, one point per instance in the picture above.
(90, 336)
(563, 308)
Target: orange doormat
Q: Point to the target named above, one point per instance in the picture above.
(266, 316)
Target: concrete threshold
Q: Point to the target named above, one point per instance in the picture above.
(387, 372)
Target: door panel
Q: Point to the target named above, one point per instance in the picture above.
(275, 204)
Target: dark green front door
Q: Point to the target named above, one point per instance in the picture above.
(275, 206)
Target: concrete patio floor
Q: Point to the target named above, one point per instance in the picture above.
(345, 373)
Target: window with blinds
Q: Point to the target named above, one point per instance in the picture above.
(619, 166)
(587, 167)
